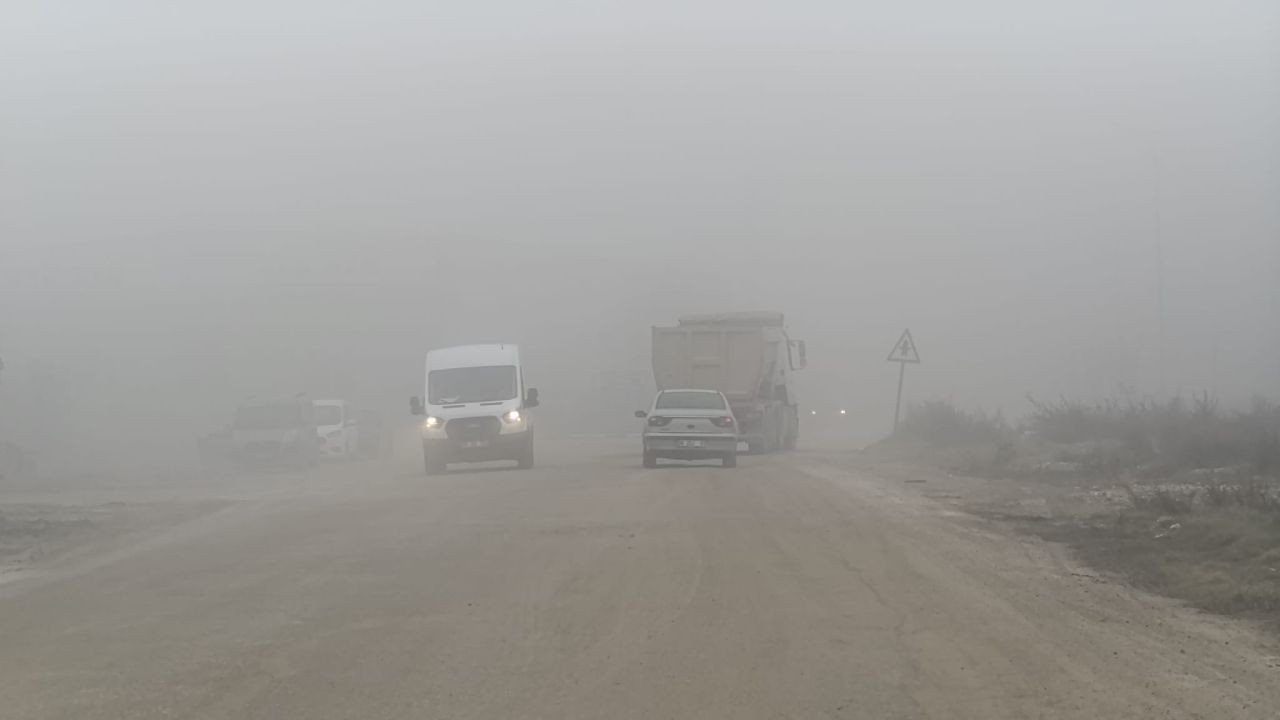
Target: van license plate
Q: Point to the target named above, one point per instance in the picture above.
(690, 443)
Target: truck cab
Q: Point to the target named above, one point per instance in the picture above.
(476, 407)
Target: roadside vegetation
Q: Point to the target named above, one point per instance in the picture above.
(1192, 489)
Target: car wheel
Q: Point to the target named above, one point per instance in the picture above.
(730, 460)
(650, 460)
(525, 461)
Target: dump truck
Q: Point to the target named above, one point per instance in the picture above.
(749, 357)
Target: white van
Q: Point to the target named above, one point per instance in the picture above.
(336, 430)
(476, 407)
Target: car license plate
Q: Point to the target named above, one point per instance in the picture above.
(476, 444)
(690, 443)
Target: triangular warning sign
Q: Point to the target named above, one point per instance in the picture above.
(904, 351)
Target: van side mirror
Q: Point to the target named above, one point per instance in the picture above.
(531, 398)
(641, 414)
(415, 406)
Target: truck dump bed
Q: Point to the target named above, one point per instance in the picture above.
(728, 357)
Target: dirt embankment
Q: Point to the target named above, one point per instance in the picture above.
(1209, 537)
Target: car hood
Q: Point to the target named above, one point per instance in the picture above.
(472, 409)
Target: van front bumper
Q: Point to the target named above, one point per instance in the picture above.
(505, 446)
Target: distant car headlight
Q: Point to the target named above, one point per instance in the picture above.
(432, 423)
(511, 417)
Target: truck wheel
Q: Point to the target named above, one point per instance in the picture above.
(433, 465)
(525, 461)
(730, 460)
(650, 460)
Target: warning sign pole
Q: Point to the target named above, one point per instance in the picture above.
(897, 408)
(903, 352)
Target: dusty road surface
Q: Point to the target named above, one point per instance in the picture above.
(590, 588)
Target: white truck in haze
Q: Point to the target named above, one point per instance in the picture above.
(749, 357)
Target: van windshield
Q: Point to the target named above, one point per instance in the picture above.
(265, 417)
(471, 385)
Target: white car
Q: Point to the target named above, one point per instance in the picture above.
(690, 425)
(336, 430)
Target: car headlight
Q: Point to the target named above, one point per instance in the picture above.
(511, 417)
(432, 423)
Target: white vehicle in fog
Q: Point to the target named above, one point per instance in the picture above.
(336, 430)
(690, 425)
(476, 407)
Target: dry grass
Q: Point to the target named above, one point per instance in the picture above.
(1168, 435)
(1202, 521)
(1222, 560)
(940, 422)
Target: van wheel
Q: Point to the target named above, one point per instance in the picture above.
(525, 461)
(730, 460)
(433, 464)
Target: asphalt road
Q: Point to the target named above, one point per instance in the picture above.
(591, 588)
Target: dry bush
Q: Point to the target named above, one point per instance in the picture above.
(1173, 434)
(940, 422)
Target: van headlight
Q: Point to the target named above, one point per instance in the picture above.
(432, 423)
(511, 417)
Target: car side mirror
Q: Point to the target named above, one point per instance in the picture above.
(531, 398)
(804, 357)
(641, 414)
(415, 406)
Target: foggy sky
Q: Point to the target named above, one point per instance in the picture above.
(202, 203)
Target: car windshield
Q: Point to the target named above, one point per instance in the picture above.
(264, 417)
(328, 415)
(490, 383)
(696, 400)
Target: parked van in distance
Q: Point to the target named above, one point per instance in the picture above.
(337, 432)
(475, 408)
(275, 432)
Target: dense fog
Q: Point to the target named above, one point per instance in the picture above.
(205, 203)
